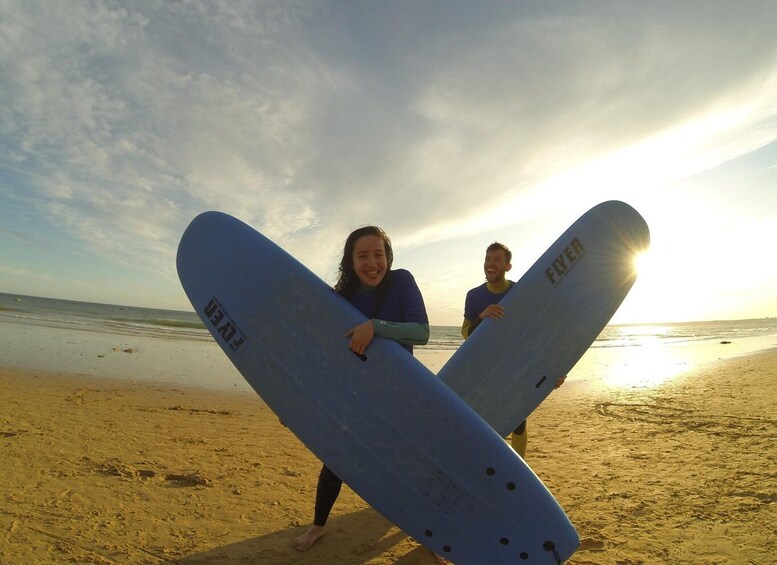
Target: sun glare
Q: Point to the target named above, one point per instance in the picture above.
(651, 299)
(644, 263)
(649, 366)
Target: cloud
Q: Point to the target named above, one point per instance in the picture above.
(120, 122)
(134, 120)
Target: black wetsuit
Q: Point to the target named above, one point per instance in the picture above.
(400, 301)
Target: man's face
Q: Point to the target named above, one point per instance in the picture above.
(496, 266)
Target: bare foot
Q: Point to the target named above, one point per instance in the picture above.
(440, 559)
(306, 540)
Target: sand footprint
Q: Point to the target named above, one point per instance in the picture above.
(764, 497)
(651, 413)
(689, 420)
(590, 544)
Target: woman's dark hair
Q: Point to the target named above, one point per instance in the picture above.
(348, 281)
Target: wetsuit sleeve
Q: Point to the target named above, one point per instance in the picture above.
(465, 328)
(406, 333)
(470, 326)
(471, 318)
(469, 306)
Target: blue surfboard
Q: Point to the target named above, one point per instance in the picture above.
(553, 314)
(385, 424)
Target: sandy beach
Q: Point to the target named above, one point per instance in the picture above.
(99, 470)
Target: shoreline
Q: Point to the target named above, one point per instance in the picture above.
(109, 470)
(184, 361)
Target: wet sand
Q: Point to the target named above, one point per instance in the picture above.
(99, 470)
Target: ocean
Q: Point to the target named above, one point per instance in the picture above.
(173, 346)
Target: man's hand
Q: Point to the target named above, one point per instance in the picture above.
(494, 311)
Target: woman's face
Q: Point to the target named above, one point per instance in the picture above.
(369, 260)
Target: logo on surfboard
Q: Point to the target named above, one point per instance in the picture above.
(224, 325)
(564, 262)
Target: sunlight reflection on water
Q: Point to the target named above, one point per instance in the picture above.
(652, 360)
(649, 365)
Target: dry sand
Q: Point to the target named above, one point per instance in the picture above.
(113, 471)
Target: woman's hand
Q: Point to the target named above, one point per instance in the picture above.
(361, 336)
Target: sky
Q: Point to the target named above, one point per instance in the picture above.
(449, 124)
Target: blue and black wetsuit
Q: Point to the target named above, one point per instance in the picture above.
(398, 312)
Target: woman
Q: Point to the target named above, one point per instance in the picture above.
(395, 308)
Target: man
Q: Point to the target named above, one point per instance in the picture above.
(482, 302)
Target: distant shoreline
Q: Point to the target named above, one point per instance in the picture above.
(187, 311)
(183, 356)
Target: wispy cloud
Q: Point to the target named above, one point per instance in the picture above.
(120, 122)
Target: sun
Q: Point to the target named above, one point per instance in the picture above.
(651, 299)
(644, 263)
